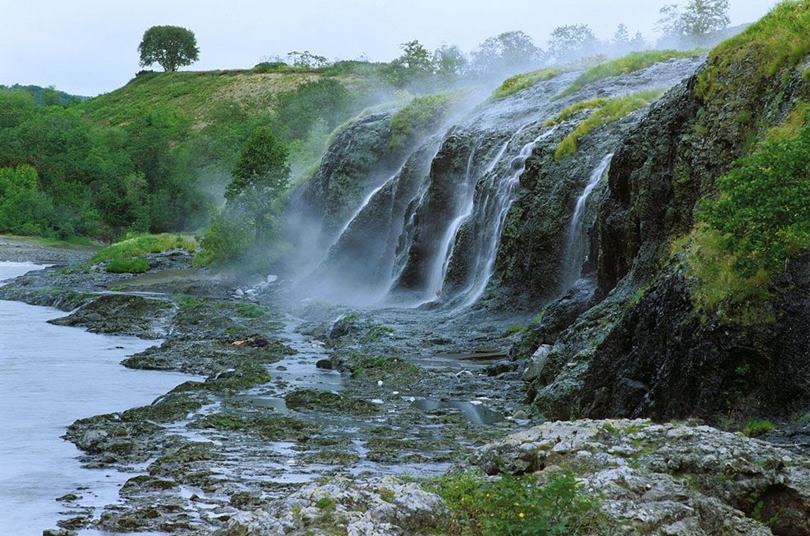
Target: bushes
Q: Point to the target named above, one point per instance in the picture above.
(756, 428)
(605, 111)
(762, 213)
(523, 81)
(518, 506)
(24, 209)
(129, 256)
(226, 240)
(635, 61)
(759, 219)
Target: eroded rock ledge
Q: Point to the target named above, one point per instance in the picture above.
(676, 479)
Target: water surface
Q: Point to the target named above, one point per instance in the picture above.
(49, 377)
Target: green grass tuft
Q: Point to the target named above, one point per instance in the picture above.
(510, 86)
(520, 506)
(757, 427)
(420, 116)
(604, 112)
(635, 61)
(778, 41)
(129, 256)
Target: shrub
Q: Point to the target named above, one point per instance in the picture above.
(132, 265)
(226, 240)
(756, 428)
(635, 61)
(762, 214)
(519, 506)
(418, 117)
(523, 81)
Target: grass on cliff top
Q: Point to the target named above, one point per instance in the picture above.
(780, 39)
(605, 111)
(635, 61)
(420, 116)
(129, 255)
(192, 93)
(519, 82)
(520, 506)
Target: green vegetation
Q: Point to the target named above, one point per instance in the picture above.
(129, 255)
(759, 220)
(519, 506)
(418, 117)
(523, 81)
(777, 41)
(635, 61)
(605, 111)
(756, 428)
(170, 46)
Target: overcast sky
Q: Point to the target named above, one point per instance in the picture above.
(87, 47)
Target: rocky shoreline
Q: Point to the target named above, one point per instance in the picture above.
(313, 419)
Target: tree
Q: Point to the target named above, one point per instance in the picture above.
(413, 66)
(449, 62)
(622, 36)
(698, 17)
(170, 46)
(506, 52)
(307, 60)
(260, 176)
(572, 42)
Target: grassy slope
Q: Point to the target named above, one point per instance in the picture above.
(196, 93)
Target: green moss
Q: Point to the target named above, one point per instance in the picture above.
(371, 369)
(132, 265)
(387, 495)
(310, 399)
(605, 111)
(250, 310)
(778, 41)
(517, 505)
(273, 428)
(515, 329)
(376, 333)
(418, 117)
(756, 428)
(523, 81)
(635, 61)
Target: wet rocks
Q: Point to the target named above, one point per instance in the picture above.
(376, 507)
(310, 399)
(123, 315)
(667, 478)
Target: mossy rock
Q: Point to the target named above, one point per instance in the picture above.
(310, 399)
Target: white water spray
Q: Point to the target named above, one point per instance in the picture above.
(576, 247)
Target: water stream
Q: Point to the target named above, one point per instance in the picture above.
(49, 377)
(576, 246)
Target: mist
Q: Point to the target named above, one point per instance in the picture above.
(89, 46)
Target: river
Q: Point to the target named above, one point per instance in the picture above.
(49, 377)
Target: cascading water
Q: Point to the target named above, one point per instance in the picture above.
(495, 206)
(576, 247)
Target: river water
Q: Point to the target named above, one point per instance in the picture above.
(49, 377)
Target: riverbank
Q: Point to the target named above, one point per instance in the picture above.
(42, 251)
(294, 393)
(313, 418)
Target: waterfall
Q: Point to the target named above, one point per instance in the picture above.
(363, 205)
(494, 207)
(576, 247)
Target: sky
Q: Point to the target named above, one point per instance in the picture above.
(87, 47)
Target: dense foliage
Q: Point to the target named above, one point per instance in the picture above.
(170, 46)
(518, 506)
(93, 180)
(418, 117)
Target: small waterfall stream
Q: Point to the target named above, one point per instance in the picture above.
(492, 215)
(576, 246)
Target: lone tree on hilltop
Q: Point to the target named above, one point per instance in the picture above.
(695, 19)
(170, 46)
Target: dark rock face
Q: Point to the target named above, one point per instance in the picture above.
(647, 349)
